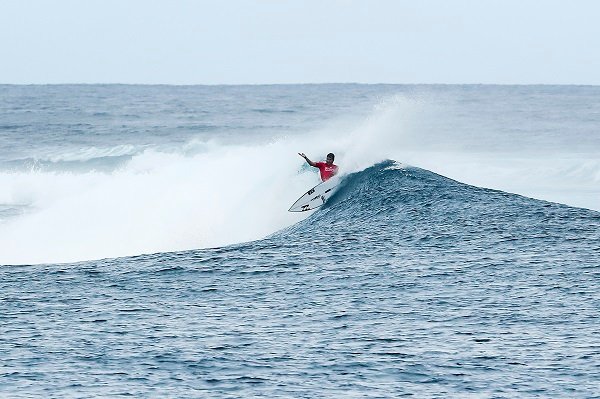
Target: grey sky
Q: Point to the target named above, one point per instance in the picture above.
(269, 41)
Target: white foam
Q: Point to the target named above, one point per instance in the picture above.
(158, 202)
(88, 153)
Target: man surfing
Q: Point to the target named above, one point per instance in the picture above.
(327, 168)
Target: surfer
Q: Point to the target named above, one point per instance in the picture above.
(327, 168)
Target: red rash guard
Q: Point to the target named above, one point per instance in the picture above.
(327, 171)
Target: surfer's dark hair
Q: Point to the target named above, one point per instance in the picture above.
(330, 155)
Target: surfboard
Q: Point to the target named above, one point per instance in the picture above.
(316, 196)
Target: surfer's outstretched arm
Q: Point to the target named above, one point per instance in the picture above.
(311, 163)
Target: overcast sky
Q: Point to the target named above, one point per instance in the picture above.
(300, 41)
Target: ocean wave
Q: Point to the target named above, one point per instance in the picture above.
(151, 207)
(185, 191)
(388, 206)
(79, 160)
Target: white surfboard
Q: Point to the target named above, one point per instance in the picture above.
(316, 196)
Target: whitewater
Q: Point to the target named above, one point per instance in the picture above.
(146, 249)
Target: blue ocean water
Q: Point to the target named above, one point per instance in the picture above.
(146, 250)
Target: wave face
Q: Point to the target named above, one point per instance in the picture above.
(394, 207)
(405, 283)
